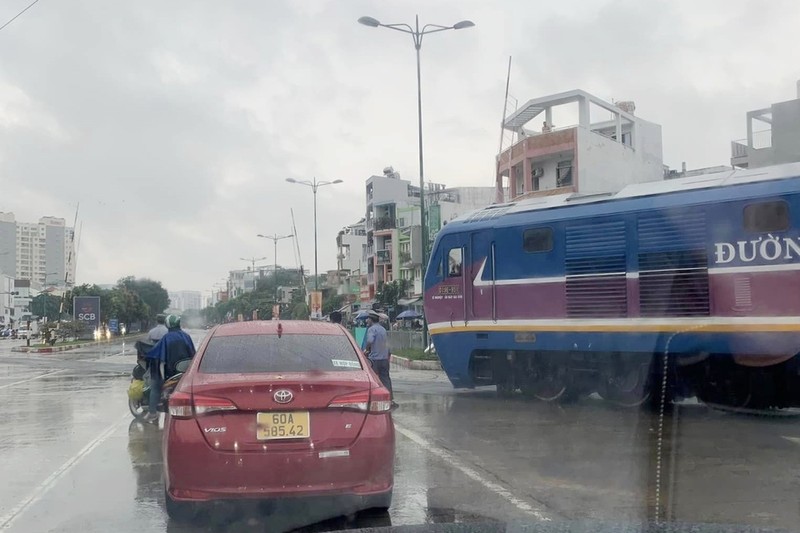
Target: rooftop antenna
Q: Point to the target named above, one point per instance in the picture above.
(499, 185)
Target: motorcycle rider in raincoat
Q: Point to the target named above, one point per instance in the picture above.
(176, 345)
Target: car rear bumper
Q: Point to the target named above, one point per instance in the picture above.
(194, 471)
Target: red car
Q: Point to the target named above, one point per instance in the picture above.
(274, 410)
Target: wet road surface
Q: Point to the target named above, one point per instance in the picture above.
(73, 460)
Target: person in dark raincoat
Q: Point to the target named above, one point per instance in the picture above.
(175, 346)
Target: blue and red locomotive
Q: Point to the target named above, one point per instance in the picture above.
(691, 283)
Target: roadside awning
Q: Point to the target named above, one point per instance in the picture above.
(408, 301)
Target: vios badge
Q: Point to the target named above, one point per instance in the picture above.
(283, 396)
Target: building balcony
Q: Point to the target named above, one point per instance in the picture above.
(384, 257)
(553, 142)
(384, 223)
(739, 153)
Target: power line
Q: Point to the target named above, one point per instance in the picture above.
(18, 14)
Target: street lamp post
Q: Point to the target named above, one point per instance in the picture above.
(417, 34)
(314, 184)
(275, 238)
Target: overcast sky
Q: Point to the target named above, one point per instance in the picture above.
(175, 124)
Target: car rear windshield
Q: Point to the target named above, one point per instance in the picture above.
(270, 353)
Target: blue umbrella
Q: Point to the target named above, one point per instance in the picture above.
(409, 314)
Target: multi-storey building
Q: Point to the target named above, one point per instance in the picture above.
(245, 280)
(38, 251)
(351, 263)
(394, 235)
(185, 300)
(773, 136)
(606, 148)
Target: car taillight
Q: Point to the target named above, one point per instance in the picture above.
(380, 401)
(356, 400)
(183, 405)
(375, 401)
(180, 405)
(208, 404)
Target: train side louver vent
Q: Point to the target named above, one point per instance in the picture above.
(673, 265)
(595, 267)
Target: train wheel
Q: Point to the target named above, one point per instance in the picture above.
(544, 378)
(505, 389)
(727, 386)
(625, 381)
(503, 374)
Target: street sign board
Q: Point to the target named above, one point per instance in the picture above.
(316, 305)
(86, 309)
(113, 325)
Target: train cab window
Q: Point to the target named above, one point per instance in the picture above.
(454, 263)
(537, 240)
(766, 216)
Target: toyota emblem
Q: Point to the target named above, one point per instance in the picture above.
(283, 396)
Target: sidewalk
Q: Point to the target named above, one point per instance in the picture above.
(402, 362)
(64, 348)
(428, 376)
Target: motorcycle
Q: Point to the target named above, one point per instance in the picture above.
(139, 389)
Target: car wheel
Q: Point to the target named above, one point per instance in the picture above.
(179, 511)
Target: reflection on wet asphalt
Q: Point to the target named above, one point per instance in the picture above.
(74, 461)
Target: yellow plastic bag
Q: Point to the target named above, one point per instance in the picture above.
(136, 390)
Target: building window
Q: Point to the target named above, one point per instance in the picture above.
(536, 175)
(537, 240)
(454, 262)
(766, 216)
(564, 174)
(516, 179)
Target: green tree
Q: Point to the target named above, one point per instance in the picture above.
(45, 305)
(127, 306)
(71, 329)
(262, 299)
(388, 294)
(151, 292)
(300, 311)
(331, 302)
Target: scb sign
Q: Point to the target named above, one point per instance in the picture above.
(86, 309)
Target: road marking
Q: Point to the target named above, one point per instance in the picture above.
(8, 519)
(796, 440)
(471, 473)
(40, 376)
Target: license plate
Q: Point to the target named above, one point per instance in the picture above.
(287, 425)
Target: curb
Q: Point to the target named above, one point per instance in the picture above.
(415, 365)
(53, 349)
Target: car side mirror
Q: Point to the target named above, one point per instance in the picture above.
(183, 365)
